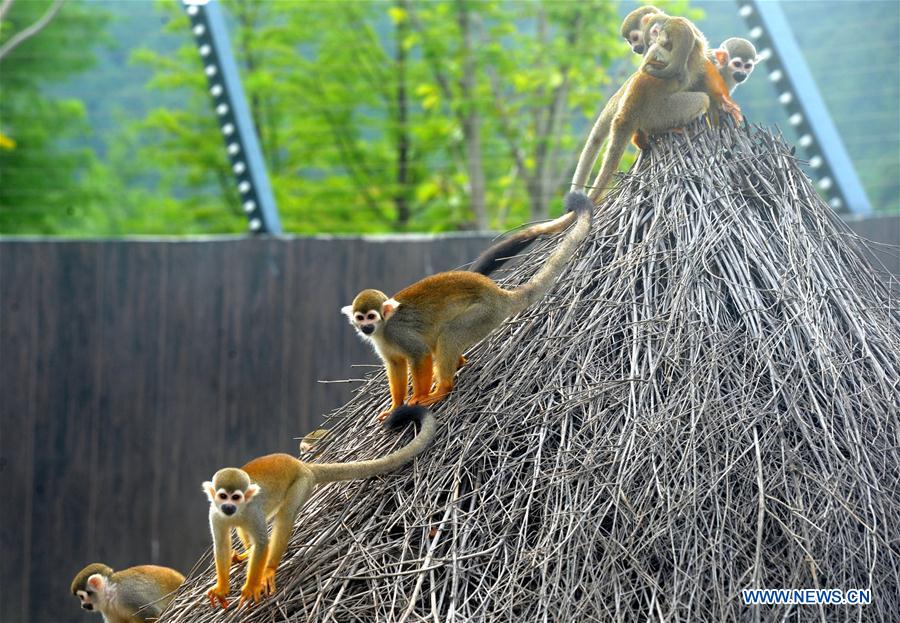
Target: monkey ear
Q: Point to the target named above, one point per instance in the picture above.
(645, 18)
(721, 57)
(210, 490)
(389, 307)
(347, 310)
(251, 491)
(96, 582)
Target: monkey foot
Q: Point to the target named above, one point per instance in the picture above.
(217, 596)
(383, 415)
(239, 557)
(436, 396)
(251, 594)
(268, 580)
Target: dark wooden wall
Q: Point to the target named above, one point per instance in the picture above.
(131, 370)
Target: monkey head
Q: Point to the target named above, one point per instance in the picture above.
(368, 311)
(739, 56)
(229, 491)
(631, 29)
(89, 585)
(651, 29)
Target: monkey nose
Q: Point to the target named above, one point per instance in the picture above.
(229, 509)
(87, 606)
(368, 329)
(638, 49)
(739, 76)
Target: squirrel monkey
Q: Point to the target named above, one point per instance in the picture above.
(632, 31)
(435, 320)
(274, 487)
(135, 595)
(647, 103)
(736, 58)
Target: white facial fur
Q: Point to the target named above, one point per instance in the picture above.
(236, 499)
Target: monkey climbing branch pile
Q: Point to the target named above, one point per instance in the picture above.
(705, 402)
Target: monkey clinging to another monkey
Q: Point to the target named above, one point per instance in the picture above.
(135, 595)
(435, 320)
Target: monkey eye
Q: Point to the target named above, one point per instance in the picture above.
(223, 496)
(748, 65)
(236, 497)
(371, 316)
(359, 317)
(737, 63)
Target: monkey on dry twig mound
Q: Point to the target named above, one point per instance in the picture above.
(274, 487)
(435, 320)
(134, 595)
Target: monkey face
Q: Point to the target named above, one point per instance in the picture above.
(86, 598)
(369, 311)
(740, 68)
(229, 501)
(366, 322)
(635, 39)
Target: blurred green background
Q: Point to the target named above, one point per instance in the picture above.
(107, 126)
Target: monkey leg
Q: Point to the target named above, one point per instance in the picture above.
(252, 591)
(397, 378)
(422, 375)
(447, 362)
(294, 498)
(678, 110)
(245, 541)
(592, 146)
(218, 594)
(621, 132)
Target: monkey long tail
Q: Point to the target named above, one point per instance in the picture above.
(331, 472)
(581, 206)
(496, 256)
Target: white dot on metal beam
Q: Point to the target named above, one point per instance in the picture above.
(745, 11)
(211, 70)
(836, 203)
(199, 29)
(244, 186)
(805, 140)
(222, 109)
(228, 129)
(815, 162)
(756, 33)
(249, 206)
(255, 224)
(239, 167)
(795, 119)
(825, 183)
(233, 148)
(192, 10)
(786, 98)
(215, 90)
(776, 75)
(205, 49)
(764, 55)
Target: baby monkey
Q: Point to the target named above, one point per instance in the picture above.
(275, 487)
(134, 595)
(435, 320)
(736, 59)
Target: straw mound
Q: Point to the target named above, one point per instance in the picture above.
(705, 402)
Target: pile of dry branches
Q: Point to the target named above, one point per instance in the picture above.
(705, 402)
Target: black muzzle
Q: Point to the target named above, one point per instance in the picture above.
(368, 329)
(229, 509)
(739, 76)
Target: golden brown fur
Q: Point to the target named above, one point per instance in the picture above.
(429, 325)
(134, 595)
(274, 487)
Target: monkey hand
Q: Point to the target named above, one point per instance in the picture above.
(240, 557)
(731, 107)
(252, 593)
(218, 595)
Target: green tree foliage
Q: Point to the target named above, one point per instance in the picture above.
(42, 188)
(378, 116)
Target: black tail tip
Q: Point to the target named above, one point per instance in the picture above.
(577, 202)
(404, 414)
